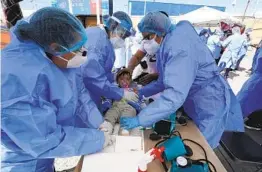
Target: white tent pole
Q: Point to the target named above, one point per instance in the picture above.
(70, 6)
(145, 8)
(244, 15)
(97, 12)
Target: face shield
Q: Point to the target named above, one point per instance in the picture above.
(117, 28)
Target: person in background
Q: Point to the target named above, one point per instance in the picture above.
(148, 60)
(204, 35)
(249, 95)
(97, 71)
(233, 45)
(244, 48)
(188, 76)
(46, 110)
(214, 44)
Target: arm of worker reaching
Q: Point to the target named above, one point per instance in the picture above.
(136, 59)
(152, 88)
(95, 77)
(178, 77)
(35, 130)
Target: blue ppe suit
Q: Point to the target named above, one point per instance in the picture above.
(249, 95)
(256, 57)
(232, 53)
(97, 71)
(214, 45)
(189, 76)
(243, 50)
(46, 111)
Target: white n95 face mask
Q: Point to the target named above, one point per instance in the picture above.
(151, 46)
(79, 59)
(117, 42)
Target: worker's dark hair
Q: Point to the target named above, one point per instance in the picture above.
(122, 72)
(163, 12)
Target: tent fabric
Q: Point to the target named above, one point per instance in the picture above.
(207, 16)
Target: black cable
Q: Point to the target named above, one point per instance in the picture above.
(163, 163)
(209, 163)
(192, 141)
(164, 166)
(173, 133)
(200, 147)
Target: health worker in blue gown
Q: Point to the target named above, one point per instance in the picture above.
(250, 94)
(233, 45)
(188, 76)
(46, 110)
(214, 43)
(97, 71)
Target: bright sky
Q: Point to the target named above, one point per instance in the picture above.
(255, 5)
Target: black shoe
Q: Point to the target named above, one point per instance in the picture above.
(253, 125)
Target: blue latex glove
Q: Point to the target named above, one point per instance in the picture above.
(129, 123)
(135, 105)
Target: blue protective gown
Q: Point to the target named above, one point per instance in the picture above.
(189, 76)
(234, 45)
(46, 111)
(250, 93)
(214, 45)
(97, 71)
(254, 63)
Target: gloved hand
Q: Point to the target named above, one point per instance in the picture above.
(130, 95)
(129, 123)
(148, 78)
(135, 105)
(109, 139)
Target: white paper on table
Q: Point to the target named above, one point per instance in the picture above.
(128, 144)
(112, 162)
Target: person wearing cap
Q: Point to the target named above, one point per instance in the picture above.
(244, 48)
(147, 60)
(188, 76)
(233, 47)
(97, 71)
(204, 35)
(47, 112)
(214, 44)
